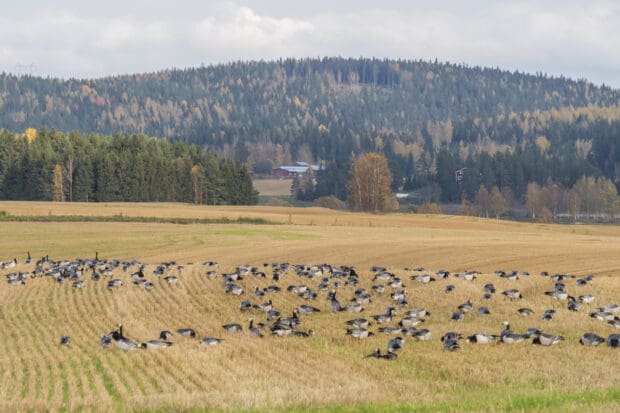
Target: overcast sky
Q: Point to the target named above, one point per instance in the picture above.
(76, 38)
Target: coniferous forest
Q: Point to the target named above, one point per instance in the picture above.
(50, 165)
(430, 119)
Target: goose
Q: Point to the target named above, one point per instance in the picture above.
(396, 283)
(265, 307)
(586, 298)
(171, 279)
(525, 311)
(78, 284)
(390, 330)
(378, 288)
(303, 334)
(410, 321)
(423, 278)
(258, 292)
(232, 328)
(442, 274)
(165, 335)
(395, 344)
(211, 341)
(418, 313)
(307, 309)
(105, 340)
(490, 288)
(545, 339)
(484, 311)
(359, 333)
(114, 284)
(359, 322)
(291, 321)
(422, 334)
(548, 315)
(95, 276)
(611, 308)
(156, 344)
(187, 332)
(29, 259)
(280, 329)
(591, 339)
(335, 304)
(451, 345)
(272, 289)
(585, 280)
(386, 356)
(449, 288)
(481, 338)
(148, 286)
(602, 315)
(466, 307)
(245, 305)
(385, 318)
(451, 335)
(123, 342)
(271, 314)
(398, 295)
(466, 275)
(615, 322)
(254, 331)
(10, 264)
(233, 289)
(65, 341)
(509, 337)
(613, 340)
(573, 305)
(355, 307)
(513, 294)
(457, 316)
(558, 295)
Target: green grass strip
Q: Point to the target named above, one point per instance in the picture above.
(4, 217)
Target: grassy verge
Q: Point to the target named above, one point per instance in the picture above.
(5, 217)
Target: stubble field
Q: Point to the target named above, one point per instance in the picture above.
(328, 370)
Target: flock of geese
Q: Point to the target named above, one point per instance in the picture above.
(325, 280)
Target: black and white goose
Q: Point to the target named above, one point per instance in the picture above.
(545, 339)
(395, 344)
(509, 337)
(187, 332)
(359, 323)
(613, 341)
(254, 331)
(513, 294)
(591, 339)
(481, 338)
(123, 342)
(211, 341)
(359, 333)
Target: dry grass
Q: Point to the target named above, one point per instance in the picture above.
(328, 370)
(273, 187)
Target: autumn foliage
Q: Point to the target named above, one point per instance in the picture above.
(369, 185)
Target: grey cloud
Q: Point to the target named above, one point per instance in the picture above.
(69, 39)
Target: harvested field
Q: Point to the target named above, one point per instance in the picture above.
(328, 370)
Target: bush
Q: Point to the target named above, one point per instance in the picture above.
(263, 167)
(278, 202)
(430, 208)
(330, 202)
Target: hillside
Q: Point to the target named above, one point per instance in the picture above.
(507, 128)
(290, 101)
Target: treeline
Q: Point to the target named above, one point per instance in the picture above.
(50, 165)
(589, 198)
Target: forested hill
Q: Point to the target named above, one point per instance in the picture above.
(313, 108)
